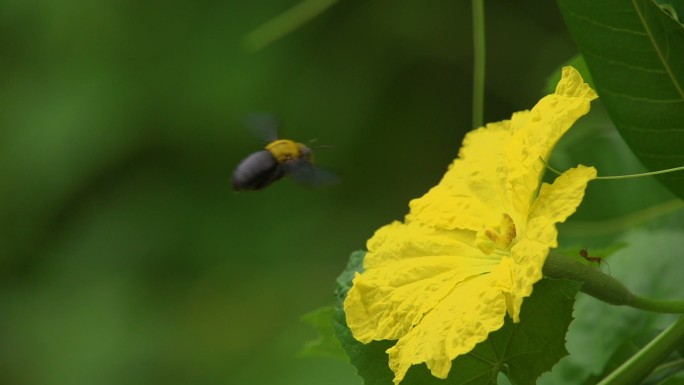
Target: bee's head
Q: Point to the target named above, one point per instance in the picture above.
(306, 153)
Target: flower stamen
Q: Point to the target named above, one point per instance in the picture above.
(497, 238)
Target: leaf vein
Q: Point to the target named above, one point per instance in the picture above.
(625, 64)
(605, 26)
(659, 156)
(652, 130)
(641, 99)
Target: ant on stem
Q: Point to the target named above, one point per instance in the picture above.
(585, 254)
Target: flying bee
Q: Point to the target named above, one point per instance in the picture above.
(280, 157)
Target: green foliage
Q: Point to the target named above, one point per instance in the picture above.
(679, 380)
(326, 344)
(635, 52)
(650, 266)
(534, 345)
(125, 256)
(523, 351)
(631, 346)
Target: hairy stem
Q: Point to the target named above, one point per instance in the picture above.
(604, 287)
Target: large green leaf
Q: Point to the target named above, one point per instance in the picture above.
(635, 52)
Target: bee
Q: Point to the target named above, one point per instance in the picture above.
(280, 157)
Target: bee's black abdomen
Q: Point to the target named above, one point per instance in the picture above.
(257, 171)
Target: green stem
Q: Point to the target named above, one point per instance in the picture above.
(656, 305)
(595, 283)
(641, 364)
(651, 173)
(478, 62)
(286, 22)
(627, 176)
(670, 365)
(604, 287)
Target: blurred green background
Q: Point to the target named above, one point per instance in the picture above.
(125, 255)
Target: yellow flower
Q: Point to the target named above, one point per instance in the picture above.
(472, 247)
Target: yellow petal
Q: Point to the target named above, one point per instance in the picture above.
(473, 246)
(461, 320)
(466, 197)
(526, 270)
(392, 296)
(572, 85)
(500, 165)
(399, 241)
(555, 203)
(537, 132)
(559, 200)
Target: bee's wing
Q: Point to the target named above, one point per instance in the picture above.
(306, 173)
(264, 126)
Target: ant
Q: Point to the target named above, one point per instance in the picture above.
(585, 254)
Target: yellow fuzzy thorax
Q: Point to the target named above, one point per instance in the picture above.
(284, 150)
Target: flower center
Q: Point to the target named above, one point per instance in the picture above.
(497, 239)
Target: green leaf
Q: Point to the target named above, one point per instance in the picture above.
(523, 351)
(679, 380)
(635, 50)
(326, 344)
(532, 346)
